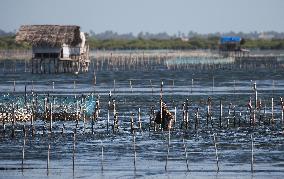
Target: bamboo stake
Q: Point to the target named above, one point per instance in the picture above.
(14, 120)
(196, 119)
(187, 114)
(221, 114)
(23, 149)
(14, 86)
(252, 156)
(175, 119)
(234, 116)
(108, 110)
(77, 113)
(134, 150)
(139, 119)
(272, 110)
(102, 157)
(161, 103)
(48, 154)
(25, 94)
(185, 152)
(208, 114)
(50, 125)
(216, 152)
(132, 124)
(168, 147)
(282, 108)
(74, 148)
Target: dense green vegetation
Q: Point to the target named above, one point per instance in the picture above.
(8, 42)
(193, 43)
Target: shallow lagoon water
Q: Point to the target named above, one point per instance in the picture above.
(231, 82)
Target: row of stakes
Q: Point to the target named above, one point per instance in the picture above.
(48, 113)
(135, 153)
(133, 129)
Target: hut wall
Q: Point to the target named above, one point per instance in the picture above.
(83, 43)
(66, 51)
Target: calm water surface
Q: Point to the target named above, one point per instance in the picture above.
(231, 81)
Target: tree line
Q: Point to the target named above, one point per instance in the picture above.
(8, 42)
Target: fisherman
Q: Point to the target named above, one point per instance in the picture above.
(167, 118)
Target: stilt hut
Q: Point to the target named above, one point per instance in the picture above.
(56, 48)
(232, 46)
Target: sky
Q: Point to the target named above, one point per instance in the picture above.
(124, 16)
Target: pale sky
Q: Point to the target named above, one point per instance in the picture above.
(123, 16)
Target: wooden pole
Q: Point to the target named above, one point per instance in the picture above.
(108, 110)
(74, 147)
(216, 152)
(175, 119)
(255, 95)
(185, 152)
(221, 114)
(187, 114)
(77, 114)
(3, 121)
(139, 119)
(50, 121)
(25, 94)
(161, 103)
(134, 150)
(196, 118)
(208, 114)
(102, 157)
(48, 154)
(115, 117)
(23, 149)
(282, 110)
(168, 147)
(234, 116)
(272, 110)
(14, 90)
(93, 118)
(14, 120)
(84, 121)
(252, 156)
(132, 124)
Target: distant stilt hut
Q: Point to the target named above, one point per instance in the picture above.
(232, 47)
(56, 48)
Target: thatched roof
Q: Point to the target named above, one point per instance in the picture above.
(49, 35)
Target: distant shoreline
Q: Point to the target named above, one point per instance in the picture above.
(195, 43)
